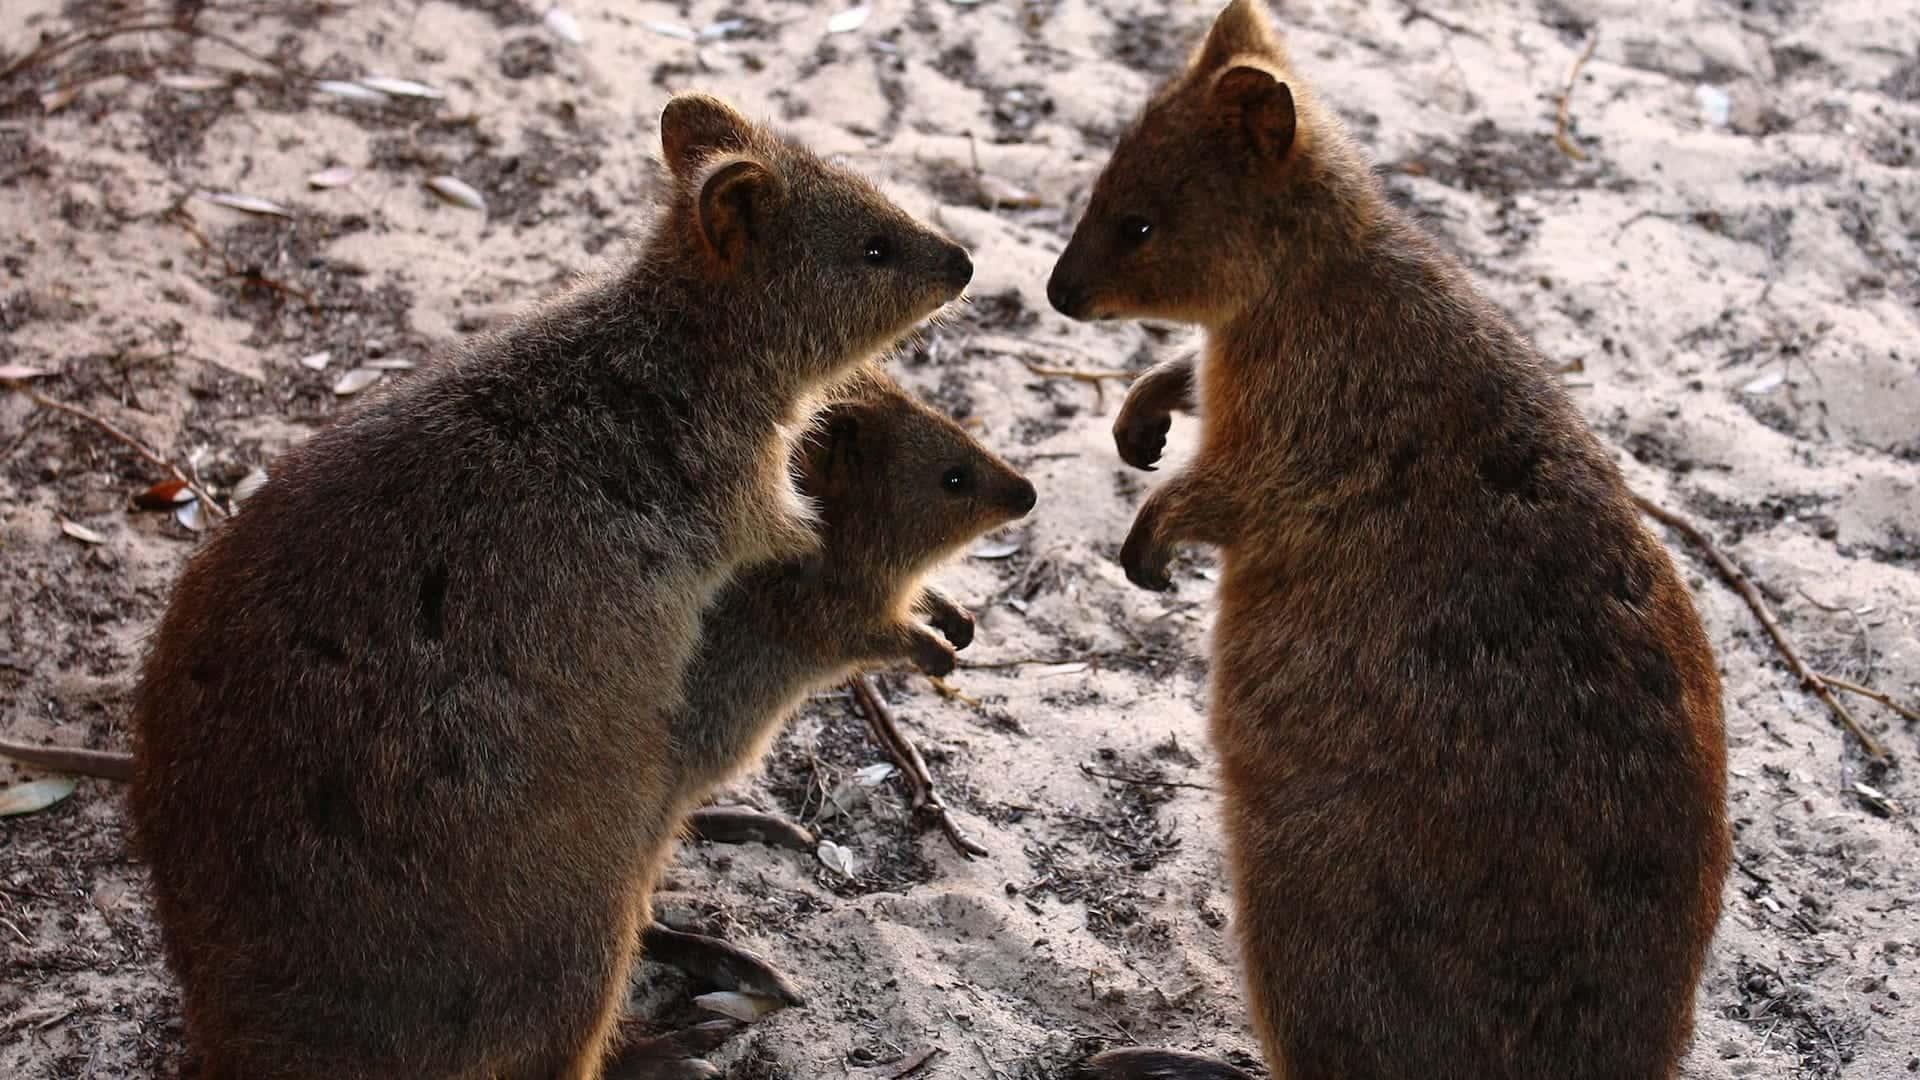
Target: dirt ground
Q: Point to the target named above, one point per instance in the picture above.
(1731, 271)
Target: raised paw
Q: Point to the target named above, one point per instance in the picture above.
(1141, 1063)
(955, 624)
(745, 825)
(1144, 559)
(718, 964)
(933, 656)
(1141, 437)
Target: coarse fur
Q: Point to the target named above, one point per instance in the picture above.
(402, 760)
(1469, 726)
(900, 488)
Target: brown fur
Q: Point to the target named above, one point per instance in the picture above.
(900, 488)
(1468, 723)
(403, 769)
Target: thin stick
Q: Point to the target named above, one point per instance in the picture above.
(1091, 771)
(1560, 117)
(1870, 694)
(45, 402)
(1741, 584)
(1095, 379)
(888, 734)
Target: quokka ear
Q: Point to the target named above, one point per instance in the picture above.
(1262, 106)
(1241, 29)
(695, 127)
(735, 200)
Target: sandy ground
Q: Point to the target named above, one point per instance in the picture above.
(1733, 270)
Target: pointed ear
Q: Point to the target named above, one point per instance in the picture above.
(1262, 105)
(735, 199)
(1239, 30)
(694, 127)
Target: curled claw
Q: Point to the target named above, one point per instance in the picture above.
(716, 963)
(1141, 439)
(745, 825)
(933, 656)
(674, 1056)
(1144, 561)
(955, 625)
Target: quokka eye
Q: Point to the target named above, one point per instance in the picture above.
(876, 251)
(955, 480)
(1134, 230)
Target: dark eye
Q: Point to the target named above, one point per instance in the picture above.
(956, 480)
(876, 251)
(1134, 231)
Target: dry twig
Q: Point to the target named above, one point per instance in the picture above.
(1143, 781)
(1870, 694)
(887, 733)
(1560, 118)
(1741, 584)
(45, 402)
(1096, 379)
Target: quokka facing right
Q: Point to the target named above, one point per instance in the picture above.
(1469, 725)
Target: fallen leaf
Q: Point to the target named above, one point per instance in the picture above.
(458, 192)
(836, 858)
(190, 516)
(994, 549)
(910, 1064)
(55, 100)
(563, 26)
(164, 495)
(401, 87)
(876, 774)
(996, 192)
(350, 91)
(332, 177)
(34, 796)
(357, 380)
(1071, 667)
(316, 361)
(255, 479)
(19, 373)
(720, 28)
(672, 30)
(193, 84)
(851, 19)
(251, 204)
(1765, 383)
(81, 532)
(390, 365)
(739, 1005)
(1209, 573)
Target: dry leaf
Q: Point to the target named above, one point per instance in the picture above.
(994, 549)
(401, 87)
(563, 26)
(332, 177)
(720, 28)
(316, 361)
(741, 1006)
(836, 858)
(350, 91)
(251, 204)
(1071, 667)
(390, 365)
(357, 380)
(910, 1064)
(458, 192)
(37, 795)
(193, 84)
(55, 100)
(190, 516)
(876, 774)
(1764, 384)
(19, 373)
(164, 495)
(672, 30)
(997, 192)
(851, 19)
(250, 483)
(81, 532)
(1209, 573)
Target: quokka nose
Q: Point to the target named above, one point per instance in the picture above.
(1022, 497)
(1063, 296)
(959, 268)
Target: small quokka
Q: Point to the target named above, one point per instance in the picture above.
(900, 488)
(403, 757)
(1468, 723)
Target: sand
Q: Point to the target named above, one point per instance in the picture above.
(1731, 269)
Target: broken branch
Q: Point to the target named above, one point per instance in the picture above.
(1741, 584)
(1870, 694)
(1560, 118)
(887, 733)
(45, 402)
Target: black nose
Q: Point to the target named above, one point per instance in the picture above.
(1064, 297)
(959, 268)
(1022, 498)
